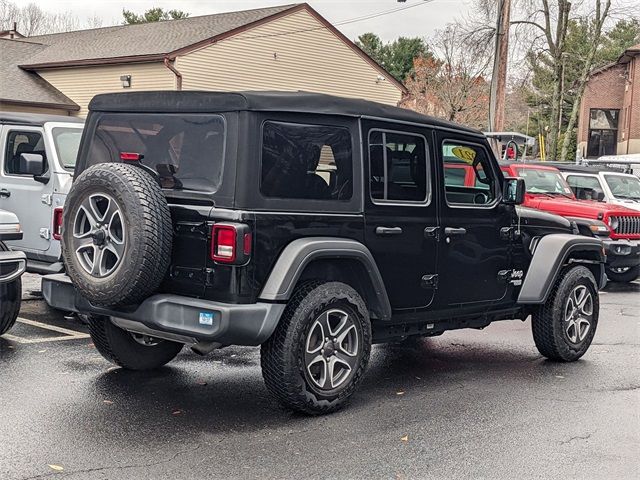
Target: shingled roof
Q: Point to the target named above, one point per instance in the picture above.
(19, 86)
(144, 41)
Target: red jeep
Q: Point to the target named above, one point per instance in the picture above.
(618, 226)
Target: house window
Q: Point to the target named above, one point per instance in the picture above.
(603, 132)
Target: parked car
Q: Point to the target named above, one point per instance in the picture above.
(37, 158)
(608, 186)
(199, 218)
(619, 226)
(12, 266)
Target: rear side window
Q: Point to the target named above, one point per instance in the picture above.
(306, 161)
(584, 187)
(187, 151)
(398, 164)
(22, 142)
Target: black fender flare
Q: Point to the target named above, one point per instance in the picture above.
(551, 254)
(299, 253)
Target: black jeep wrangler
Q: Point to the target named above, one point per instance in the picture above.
(311, 225)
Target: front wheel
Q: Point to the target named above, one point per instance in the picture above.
(564, 326)
(319, 352)
(623, 274)
(130, 350)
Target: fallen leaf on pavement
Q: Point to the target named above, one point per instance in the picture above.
(177, 412)
(57, 468)
(405, 438)
(107, 402)
(559, 376)
(400, 393)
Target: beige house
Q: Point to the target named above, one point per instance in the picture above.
(290, 47)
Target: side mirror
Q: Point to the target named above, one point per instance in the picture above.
(513, 191)
(599, 195)
(31, 164)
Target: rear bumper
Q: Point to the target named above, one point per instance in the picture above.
(622, 253)
(12, 265)
(200, 320)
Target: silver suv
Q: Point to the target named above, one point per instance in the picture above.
(37, 158)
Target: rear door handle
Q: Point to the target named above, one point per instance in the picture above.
(5, 193)
(449, 231)
(388, 230)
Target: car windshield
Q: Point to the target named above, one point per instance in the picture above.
(538, 180)
(624, 187)
(66, 141)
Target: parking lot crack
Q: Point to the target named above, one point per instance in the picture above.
(577, 437)
(119, 467)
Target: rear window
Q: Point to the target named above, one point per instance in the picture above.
(304, 161)
(187, 151)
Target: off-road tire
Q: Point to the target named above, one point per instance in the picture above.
(282, 356)
(119, 346)
(10, 299)
(624, 277)
(148, 234)
(547, 323)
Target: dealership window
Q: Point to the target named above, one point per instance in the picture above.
(305, 161)
(603, 132)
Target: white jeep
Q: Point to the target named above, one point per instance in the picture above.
(607, 186)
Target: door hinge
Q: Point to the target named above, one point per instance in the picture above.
(509, 233)
(429, 281)
(432, 232)
(47, 199)
(45, 233)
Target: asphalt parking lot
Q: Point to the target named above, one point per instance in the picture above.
(468, 404)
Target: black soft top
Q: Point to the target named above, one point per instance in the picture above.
(34, 119)
(298, 102)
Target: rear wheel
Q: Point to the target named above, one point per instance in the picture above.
(130, 350)
(623, 274)
(10, 299)
(564, 326)
(318, 354)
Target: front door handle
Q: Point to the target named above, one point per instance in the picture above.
(449, 231)
(5, 193)
(388, 230)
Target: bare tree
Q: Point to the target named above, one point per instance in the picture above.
(452, 85)
(33, 20)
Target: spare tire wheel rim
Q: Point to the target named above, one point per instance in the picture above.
(99, 235)
(578, 314)
(331, 349)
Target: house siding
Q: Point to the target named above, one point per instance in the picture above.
(81, 84)
(266, 57)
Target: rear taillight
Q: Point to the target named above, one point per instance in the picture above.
(131, 156)
(230, 243)
(57, 223)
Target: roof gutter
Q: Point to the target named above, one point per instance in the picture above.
(169, 64)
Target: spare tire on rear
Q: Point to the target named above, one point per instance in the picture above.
(117, 234)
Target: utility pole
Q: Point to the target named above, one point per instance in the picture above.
(499, 76)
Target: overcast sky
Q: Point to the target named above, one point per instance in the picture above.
(421, 20)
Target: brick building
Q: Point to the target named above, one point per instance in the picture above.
(609, 122)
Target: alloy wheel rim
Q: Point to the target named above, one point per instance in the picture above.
(331, 349)
(578, 314)
(98, 235)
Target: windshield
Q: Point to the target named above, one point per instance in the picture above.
(66, 141)
(186, 150)
(624, 187)
(544, 181)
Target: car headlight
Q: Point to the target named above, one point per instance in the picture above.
(613, 223)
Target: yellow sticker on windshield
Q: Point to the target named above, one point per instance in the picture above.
(465, 154)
